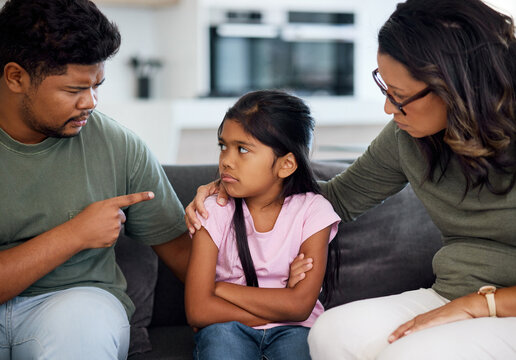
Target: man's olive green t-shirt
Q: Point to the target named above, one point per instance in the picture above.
(47, 184)
(478, 232)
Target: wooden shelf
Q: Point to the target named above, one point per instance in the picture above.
(151, 3)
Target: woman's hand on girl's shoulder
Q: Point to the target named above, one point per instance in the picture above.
(197, 205)
(298, 269)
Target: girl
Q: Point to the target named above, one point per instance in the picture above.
(239, 266)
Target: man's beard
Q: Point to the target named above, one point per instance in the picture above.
(31, 121)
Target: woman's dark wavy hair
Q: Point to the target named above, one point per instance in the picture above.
(284, 123)
(44, 36)
(465, 51)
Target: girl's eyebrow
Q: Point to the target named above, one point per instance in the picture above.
(237, 142)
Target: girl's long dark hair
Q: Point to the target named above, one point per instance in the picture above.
(464, 50)
(284, 123)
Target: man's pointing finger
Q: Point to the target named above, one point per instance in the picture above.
(131, 199)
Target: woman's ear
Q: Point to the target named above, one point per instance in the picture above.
(16, 78)
(287, 165)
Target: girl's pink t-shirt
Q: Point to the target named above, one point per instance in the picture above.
(301, 216)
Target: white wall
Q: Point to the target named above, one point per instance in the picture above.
(506, 6)
(137, 26)
(168, 33)
(178, 34)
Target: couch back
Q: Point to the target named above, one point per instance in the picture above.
(385, 251)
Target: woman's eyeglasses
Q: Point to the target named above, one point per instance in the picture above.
(383, 88)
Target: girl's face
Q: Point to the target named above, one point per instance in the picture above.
(248, 168)
(425, 116)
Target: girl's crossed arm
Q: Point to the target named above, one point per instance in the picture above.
(284, 304)
(202, 306)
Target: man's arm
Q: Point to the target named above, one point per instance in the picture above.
(97, 226)
(24, 264)
(175, 254)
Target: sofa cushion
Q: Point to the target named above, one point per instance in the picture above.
(169, 343)
(139, 264)
(169, 295)
(372, 246)
(387, 250)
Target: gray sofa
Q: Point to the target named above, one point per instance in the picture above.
(386, 251)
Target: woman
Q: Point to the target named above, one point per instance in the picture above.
(448, 71)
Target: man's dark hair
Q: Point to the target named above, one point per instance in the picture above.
(44, 36)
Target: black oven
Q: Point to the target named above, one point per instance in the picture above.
(309, 53)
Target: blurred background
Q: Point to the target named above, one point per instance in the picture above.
(183, 63)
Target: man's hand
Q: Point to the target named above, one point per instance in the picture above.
(197, 204)
(99, 224)
(298, 268)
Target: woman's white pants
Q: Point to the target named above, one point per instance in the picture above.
(359, 330)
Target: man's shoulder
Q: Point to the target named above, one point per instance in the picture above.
(100, 126)
(102, 122)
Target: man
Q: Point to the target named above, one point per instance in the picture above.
(69, 178)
